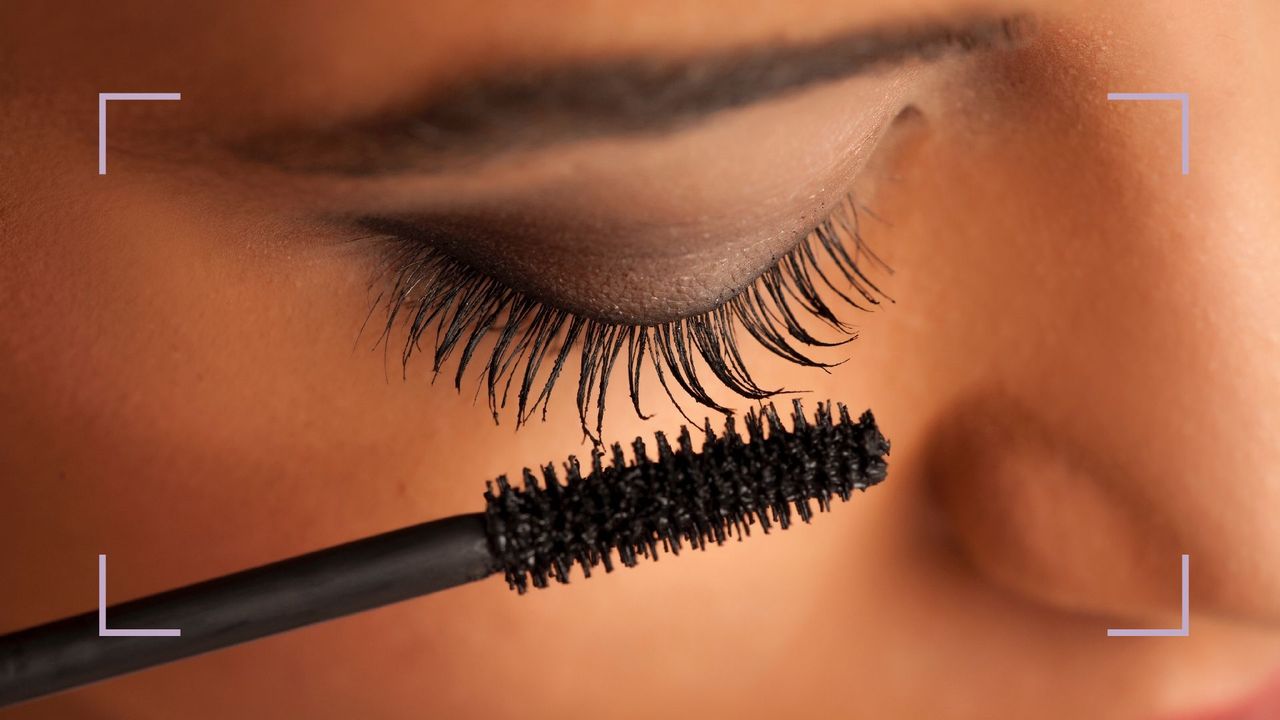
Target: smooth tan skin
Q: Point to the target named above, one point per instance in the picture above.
(1079, 374)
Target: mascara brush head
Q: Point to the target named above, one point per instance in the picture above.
(680, 496)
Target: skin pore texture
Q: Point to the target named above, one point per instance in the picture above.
(1078, 373)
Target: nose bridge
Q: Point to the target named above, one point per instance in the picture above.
(1197, 214)
(1228, 70)
(1203, 245)
(1223, 216)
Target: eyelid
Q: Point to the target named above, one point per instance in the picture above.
(431, 291)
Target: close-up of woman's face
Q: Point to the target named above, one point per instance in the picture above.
(362, 258)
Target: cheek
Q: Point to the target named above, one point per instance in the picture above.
(167, 321)
(191, 373)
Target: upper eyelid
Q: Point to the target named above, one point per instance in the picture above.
(460, 305)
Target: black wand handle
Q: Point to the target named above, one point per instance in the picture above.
(247, 605)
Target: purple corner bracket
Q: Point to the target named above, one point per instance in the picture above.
(102, 118)
(103, 630)
(1183, 631)
(1185, 99)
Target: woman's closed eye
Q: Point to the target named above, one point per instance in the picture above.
(535, 225)
(457, 305)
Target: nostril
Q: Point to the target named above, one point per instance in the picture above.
(1038, 512)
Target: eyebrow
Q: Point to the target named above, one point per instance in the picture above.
(531, 107)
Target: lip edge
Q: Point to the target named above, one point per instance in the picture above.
(1263, 700)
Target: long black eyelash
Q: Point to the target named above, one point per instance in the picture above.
(463, 306)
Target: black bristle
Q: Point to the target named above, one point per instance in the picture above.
(681, 496)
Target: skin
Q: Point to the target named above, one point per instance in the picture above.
(1078, 375)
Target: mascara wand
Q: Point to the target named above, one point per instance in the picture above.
(532, 534)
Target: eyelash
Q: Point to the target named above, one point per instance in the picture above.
(465, 305)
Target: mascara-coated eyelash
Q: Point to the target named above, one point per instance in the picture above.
(431, 290)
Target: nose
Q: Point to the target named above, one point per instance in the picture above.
(1110, 359)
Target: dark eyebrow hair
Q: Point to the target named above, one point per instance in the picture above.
(529, 107)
